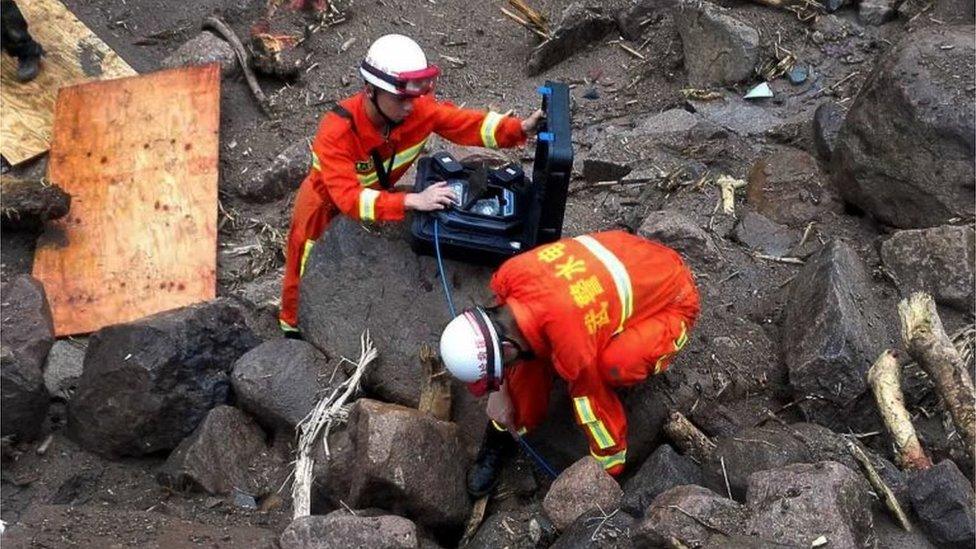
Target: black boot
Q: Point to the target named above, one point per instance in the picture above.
(28, 67)
(496, 448)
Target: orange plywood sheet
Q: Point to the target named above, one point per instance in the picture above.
(139, 158)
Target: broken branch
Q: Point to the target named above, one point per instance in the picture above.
(884, 377)
(882, 489)
(689, 439)
(242, 58)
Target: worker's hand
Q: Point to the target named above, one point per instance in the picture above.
(500, 409)
(435, 197)
(530, 126)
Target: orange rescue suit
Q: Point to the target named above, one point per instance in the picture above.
(344, 179)
(603, 310)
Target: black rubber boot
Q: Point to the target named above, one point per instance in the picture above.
(28, 67)
(496, 448)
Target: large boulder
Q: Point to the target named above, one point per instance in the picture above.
(401, 460)
(284, 174)
(788, 187)
(799, 503)
(664, 470)
(279, 380)
(581, 25)
(719, 49)
(943, 500)
(690, 514)
(757, 232)
(355, 280)
(905, 152)
(341, 529)
(583, 487)
(26, 336)
(679, 232)
(63, 367)
(226, 452)
(147, 384)
(938, 261)
(828, 336)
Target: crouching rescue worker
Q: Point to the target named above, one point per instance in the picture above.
(366, 143)
(600, 311)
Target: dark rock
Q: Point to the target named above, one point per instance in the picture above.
(631, 21)
(758, 233)
(681, 233)
(827, 121)
(521, 528)
(226, 452)
(937, 260)
(719, 49)
(749, 451)
(664, 521)
(581, 25)
(26, 336)
(27, 204)
(203, 49)
(905, 153)
(788, 187)
(799, 503)
(387, 461)
(355, 280)
(828, 343)
(63, 367)
(943, 500)
(891, 536)
(747, 542)
(147, 384)
(285, 174)
(876, 12)
(340, 529)
(597, 529)
(278, 381)
(583, 487)
(664, 470)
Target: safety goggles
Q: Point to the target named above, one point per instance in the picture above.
(411, 83)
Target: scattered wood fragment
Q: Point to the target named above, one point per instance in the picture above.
(525, 24)
(220, 27)
(477, 517)
(435, 395)
(631, 51)
(882, 489)
(689, 439)
(774, 259)
(884, 377)
(533, 17)
(701, 95)
(728, 186)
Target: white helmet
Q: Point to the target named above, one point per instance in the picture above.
(395, 63)
(472, 351)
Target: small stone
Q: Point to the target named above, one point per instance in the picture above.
(798, 75)
(591, 93)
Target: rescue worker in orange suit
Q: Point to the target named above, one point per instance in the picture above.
(365, 144)
(601, 311)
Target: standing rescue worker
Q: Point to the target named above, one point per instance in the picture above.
(600, 311)
(367, 142)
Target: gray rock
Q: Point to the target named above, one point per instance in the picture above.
(747, 542)
(355, 280)
(63, 367)
(401, 460)
(278, 381)
(285, 174)
(224, 454)
(719, 49)
(788, 187)
(581, 25)
(664, 470)
(664, 521)
(749, 451)
(828, 343)
(521, 528)
(28, 204)
(680, 232)
(891, 536)
(742, 117)
(758, 233)
(827, 121)
(340, 529)
(905, 153)
(26, 336)
(631, 21)
(597, 530)
(203, 49)
(876, 12)
(943, 500)
(585, 486)
(937, 260)
(147, 384)
(799, 503)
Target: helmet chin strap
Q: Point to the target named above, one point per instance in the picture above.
(390, 123)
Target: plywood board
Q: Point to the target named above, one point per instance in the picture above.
(74, 55)
(139, 157)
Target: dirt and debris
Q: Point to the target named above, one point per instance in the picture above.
(801, 258)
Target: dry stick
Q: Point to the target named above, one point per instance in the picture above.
(435, 395)
(884, 377)
(700, 520)
(477, 517)
(242, 58)
(927, 342)
(525, 24)
(688, 437)
(882, 489)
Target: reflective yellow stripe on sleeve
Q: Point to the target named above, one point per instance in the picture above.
(621, 279)
(316, 165)
(587, 417)
(401, 159)
(609, 462)
(367, 204)
(488, 127)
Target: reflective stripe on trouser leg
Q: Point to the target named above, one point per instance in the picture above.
(306, 251)
(598, 431)
(679, 342)
(611, 461)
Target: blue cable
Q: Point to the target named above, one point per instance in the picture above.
(540, 461)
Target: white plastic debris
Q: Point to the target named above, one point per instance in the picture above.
(761, 91)
(819, 542)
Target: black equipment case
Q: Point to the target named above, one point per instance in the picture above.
(500, 212)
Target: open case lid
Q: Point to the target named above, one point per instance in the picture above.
(554, 149)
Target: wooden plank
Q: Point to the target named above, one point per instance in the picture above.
(139, 157)
(74, 55)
